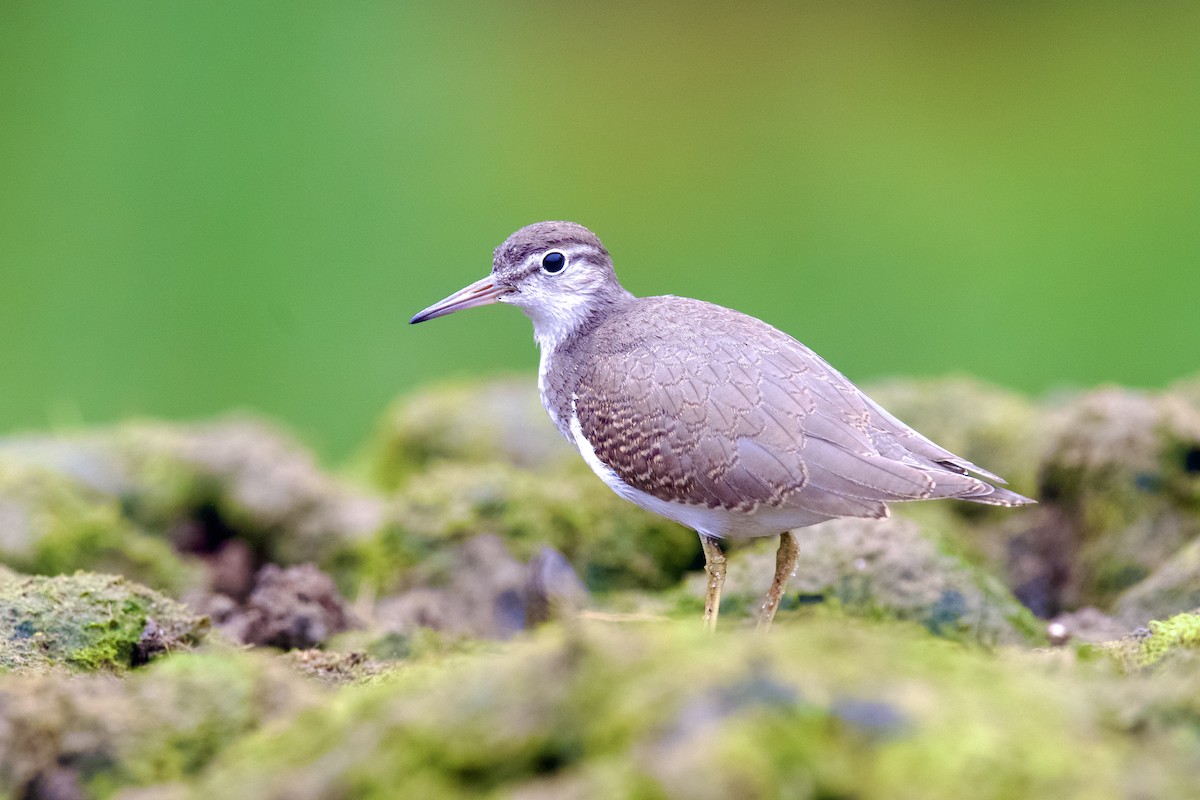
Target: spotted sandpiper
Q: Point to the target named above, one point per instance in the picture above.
(705, 415)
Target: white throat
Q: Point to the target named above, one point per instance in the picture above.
(554, 322)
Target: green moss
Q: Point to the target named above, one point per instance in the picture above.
(827, 708)
(1181, 631)
(89, 622)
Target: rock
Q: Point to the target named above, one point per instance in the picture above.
(499, 420)
(1172, 587)
(89, 622)
(92, 734)
(880, 568)
(478, 589)
(1090, 625)
(51, 523)
(610, 543)
(294, 607)
(830, 708)
(552, 589)
(1120, 497)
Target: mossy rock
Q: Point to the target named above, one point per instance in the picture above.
(1119, 473)
(611, 543)
(882, 569)
(1179, 633)
(89, 622)
(240, 478)
(498, 420)
(824, 709)
(167, 722)
(130, 497)
(51, 524)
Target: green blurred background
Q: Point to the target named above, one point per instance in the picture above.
(220, 205)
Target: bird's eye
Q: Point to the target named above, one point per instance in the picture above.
(553, 262)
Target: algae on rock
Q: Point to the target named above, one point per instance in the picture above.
(1173, 586)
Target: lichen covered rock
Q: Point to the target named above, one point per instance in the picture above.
(89, 622)
(1174, 585)
(244, 479)
(338, 668)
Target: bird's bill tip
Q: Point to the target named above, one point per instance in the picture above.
(480, 293)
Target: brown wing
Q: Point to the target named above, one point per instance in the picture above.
(738, 415)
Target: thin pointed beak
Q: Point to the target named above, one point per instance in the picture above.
(479, 293)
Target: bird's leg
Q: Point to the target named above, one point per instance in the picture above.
(714, 566)
(785, 564)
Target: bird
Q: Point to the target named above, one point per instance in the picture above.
(705, 415)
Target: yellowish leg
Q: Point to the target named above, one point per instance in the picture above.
(714, 565)
(786, 559)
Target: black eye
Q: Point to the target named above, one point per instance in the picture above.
(553, 262)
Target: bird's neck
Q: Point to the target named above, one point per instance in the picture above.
(553, 325)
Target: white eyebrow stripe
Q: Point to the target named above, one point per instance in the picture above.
(534, 261)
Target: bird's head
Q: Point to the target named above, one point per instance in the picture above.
(558, 273)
